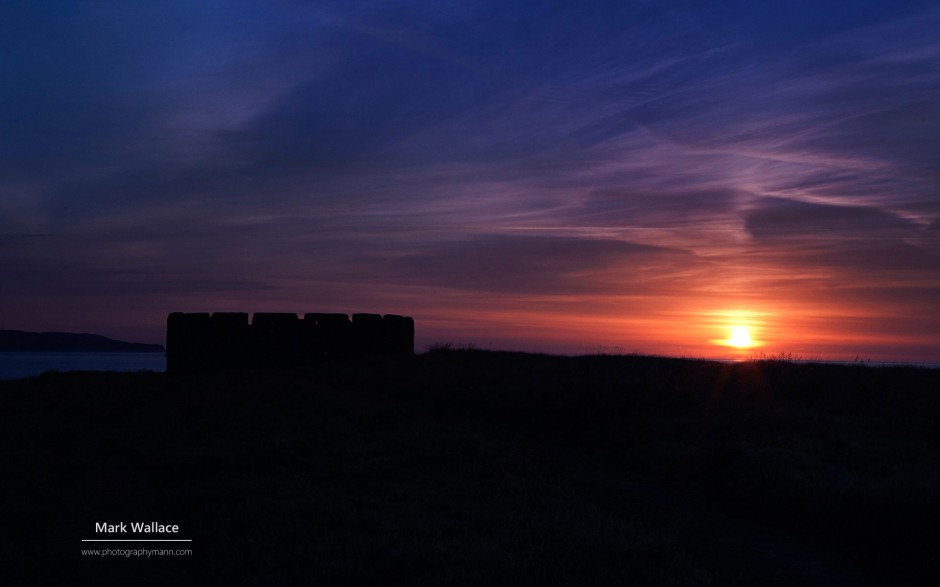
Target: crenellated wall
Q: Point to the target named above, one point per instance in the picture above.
(226, 340)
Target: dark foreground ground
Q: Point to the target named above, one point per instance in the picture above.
(480, 468)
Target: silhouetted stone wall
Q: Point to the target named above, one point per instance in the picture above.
(188, 341)
(226, 340)
(229, 340)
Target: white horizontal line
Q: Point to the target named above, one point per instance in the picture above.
(135, 540)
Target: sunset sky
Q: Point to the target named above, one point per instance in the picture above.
(549, 176)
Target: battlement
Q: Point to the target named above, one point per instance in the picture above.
(226, 340)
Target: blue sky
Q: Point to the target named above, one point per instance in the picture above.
(534, 175)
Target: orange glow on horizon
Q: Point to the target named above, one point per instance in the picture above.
(666, 326)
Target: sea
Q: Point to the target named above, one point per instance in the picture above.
(19, 365)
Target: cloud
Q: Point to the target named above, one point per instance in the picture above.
(779, 218)
(539, 265)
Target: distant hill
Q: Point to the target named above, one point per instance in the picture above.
(19, 341)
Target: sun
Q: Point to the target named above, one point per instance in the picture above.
(740, 337)
(743, 329)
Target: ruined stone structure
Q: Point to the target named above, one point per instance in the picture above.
(226, 340)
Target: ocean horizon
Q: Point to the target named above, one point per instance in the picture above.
(19, 365)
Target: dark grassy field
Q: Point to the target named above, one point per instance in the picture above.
(475, 468)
